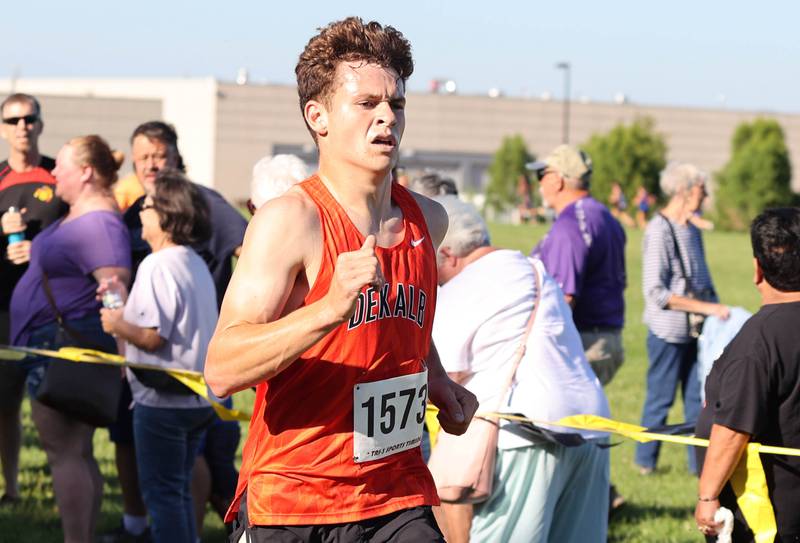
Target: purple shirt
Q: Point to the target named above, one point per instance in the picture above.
(585, 252)
(68, 253)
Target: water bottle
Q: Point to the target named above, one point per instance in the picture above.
(15, 237)
(112, 299)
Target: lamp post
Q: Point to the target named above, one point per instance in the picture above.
(565, 123)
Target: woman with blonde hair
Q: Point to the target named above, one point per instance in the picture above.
(57, 294)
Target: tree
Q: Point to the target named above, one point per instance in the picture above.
(757, 176)
(632, 155)
(505, 173)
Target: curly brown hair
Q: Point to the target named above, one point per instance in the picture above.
(345, 41)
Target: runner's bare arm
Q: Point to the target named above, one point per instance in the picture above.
(254, 339)
(456, 404)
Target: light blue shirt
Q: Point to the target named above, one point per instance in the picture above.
(717, 333)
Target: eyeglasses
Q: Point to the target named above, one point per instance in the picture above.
(29, 119)
(145, 207)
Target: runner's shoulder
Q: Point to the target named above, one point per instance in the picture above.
(287, 220)
(435, 216)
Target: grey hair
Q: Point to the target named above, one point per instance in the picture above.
(274, 175)
(466, 229)
(432, 184)
(679, 177)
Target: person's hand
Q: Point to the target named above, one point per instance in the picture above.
(114, 284)
(20, 252)
(110, 319)
(721, 311)
(12, 222)
(456, 404)
(704, 515)
(354, 270)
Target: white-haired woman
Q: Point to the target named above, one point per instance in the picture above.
(542, 491)
(273, 176)
(678, 293)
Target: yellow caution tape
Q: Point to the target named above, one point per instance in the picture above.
(749, 483)
(192, 379)
(432, 423)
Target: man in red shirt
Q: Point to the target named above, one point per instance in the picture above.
(329, 314)
(27, 186)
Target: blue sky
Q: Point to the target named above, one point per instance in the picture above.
(736, 55)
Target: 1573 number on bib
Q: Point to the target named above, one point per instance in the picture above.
(388, 416)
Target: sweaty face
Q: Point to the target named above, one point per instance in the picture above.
(69, 176)
(21, 136)
(365, 116)
(150, 157)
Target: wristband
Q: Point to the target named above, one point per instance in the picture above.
(702, 499)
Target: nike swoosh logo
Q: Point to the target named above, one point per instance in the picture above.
(415, 242)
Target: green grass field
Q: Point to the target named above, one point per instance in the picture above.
(659, 507)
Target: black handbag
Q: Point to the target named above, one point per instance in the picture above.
(88, 392)
(161, 381)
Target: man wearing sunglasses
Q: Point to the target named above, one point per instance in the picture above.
(585, 252)
(27, 186)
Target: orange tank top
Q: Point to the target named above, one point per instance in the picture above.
(302, 463)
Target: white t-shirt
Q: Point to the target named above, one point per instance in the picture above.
(175, 294)
(481, 315)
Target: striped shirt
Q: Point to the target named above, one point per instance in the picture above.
(662, 277)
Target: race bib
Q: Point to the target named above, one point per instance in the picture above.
(388, 416)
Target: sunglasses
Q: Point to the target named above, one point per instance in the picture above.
(541, 173)
(29, 119)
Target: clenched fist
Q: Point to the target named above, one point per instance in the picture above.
(354, 271)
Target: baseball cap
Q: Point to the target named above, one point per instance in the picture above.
(570, 162)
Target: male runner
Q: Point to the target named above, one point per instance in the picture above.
(27, 186)
(329, 314)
